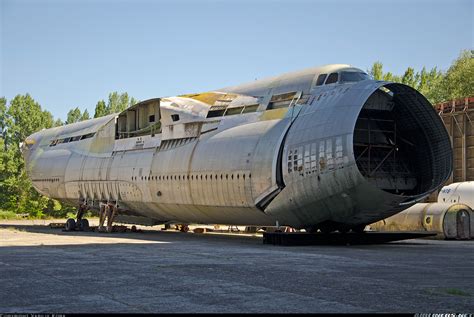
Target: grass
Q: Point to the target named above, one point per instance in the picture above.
(9, 215)
(449, 291)
(458, 292)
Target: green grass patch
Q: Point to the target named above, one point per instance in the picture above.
(449, 291)
(457, 292)
(9, 215)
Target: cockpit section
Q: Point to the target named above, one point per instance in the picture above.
(343, 76)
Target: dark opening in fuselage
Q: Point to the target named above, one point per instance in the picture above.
(400, 144)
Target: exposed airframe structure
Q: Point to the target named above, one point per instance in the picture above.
(324, 148)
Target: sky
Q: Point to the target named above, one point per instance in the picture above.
(68, 54)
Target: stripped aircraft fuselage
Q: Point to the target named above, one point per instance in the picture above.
(306, 149)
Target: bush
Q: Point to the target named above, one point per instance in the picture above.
(8, 215)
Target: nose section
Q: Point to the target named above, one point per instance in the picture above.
(400, 144)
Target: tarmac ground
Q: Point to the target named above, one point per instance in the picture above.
(44, 270)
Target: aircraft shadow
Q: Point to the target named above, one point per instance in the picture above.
(170, 236)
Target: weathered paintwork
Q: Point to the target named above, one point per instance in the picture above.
(450, 220)
(284, 153)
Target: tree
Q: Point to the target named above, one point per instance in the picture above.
(100, 109)
(459, 79)
(48, 120)
(26, 117)
(116, 103)
(376, 71)
(124, 102)
(408, 77)
(433, 87)
(436, 86)
(3, 113)
(23, 117)
(422, 79)
(85, 115)
(57, 123)
(427, 81)
(73, 116)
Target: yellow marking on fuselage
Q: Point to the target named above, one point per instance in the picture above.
(274, 114)
(210, 98)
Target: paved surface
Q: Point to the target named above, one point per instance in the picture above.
(47, 270)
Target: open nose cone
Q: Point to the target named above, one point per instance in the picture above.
(400, 144)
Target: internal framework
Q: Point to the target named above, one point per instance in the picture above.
(399, 146)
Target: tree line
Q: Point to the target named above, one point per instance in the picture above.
(435, 85)
(20, 118)
(23, 116)
(116, 103)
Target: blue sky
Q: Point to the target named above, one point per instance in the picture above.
(73, 53)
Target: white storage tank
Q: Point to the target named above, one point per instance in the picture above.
(458, 193)
(449, 220)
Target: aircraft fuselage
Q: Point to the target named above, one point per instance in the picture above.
(295, 149)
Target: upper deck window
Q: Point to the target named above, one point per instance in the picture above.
(281, 100)
(321, 79)
(353, 76)
(71, 139)
(250, 108)
(232, 111)
(215, 113)
(332, 78)
(87, 136)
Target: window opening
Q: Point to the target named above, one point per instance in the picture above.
(281, 100)
(233, 111)
(353, 76)
(250, 108)
(321, 79)
(332, 78)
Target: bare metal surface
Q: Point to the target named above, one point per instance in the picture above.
(46, 270)
(290, 158)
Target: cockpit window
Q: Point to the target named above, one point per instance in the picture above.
(321, 79)
(332, 78)
(353, 76)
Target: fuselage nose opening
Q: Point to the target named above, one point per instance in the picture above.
(400, 144)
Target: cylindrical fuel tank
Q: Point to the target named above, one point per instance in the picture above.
(450, 221)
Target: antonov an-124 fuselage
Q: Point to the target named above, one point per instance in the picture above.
(326, 147)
